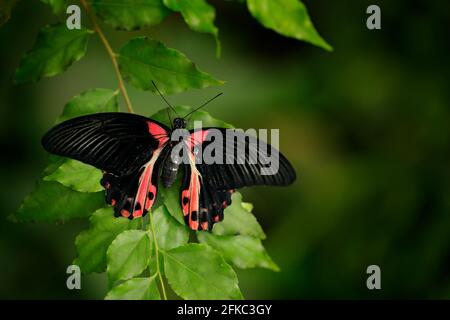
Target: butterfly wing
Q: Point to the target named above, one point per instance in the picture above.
(125, 146)
(240, 160)
(235, 160)
(201, 204)
(119, 143)
(133, 195)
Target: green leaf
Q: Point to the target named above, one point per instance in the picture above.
(196, 271)
(242, 251)
(247, 206)
(6, 7)
(128, 255)
(90, 101)
(169, 233)
(53, 163)
(287, 17)
(142, 60)
(56, 48)
(58, 6)
(238, 220)
(135, 289)
(93, 243)
(77, 176)
(130, 14)
(198, 15)
(51, 201)
(171, 199)
(72, 173)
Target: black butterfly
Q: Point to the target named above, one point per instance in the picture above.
(134, 151)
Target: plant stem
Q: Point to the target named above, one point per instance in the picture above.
(111, 54)
(158, 270)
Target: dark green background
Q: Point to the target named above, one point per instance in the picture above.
(366, 127)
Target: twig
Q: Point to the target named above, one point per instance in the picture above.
(111, 54)
(158, 269)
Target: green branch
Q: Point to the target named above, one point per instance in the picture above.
(158, 269)
(110, 52)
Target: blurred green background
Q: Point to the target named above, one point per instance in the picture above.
(366, 127)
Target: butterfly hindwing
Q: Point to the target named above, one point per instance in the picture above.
(133, 195)
(201, 204)
(148, 185)
(120, 192)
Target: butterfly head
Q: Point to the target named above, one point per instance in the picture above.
(179, 123)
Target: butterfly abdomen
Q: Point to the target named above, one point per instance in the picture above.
(170, 169)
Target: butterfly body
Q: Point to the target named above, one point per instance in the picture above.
(170, 169)
(135, 153)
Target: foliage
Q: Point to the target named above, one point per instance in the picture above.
(58, 6)
(142, 256)
(287, 17)
(55, 50)
(196, 271)
(130, 14)
(143, 60)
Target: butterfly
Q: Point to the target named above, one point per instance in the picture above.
(136, 153)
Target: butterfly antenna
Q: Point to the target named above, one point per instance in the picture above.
(198, 108)
(165, 100)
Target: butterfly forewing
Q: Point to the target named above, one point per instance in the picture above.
(119, 143)
(241, 164)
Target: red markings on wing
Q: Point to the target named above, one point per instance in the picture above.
(125, 213)
(185, 196)
(146, 194)
(190, 200)
(151, 196)
(202, 207)
(194, 201)
(141, 195)
(190, 195)
(158, 132)
(196, 138)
